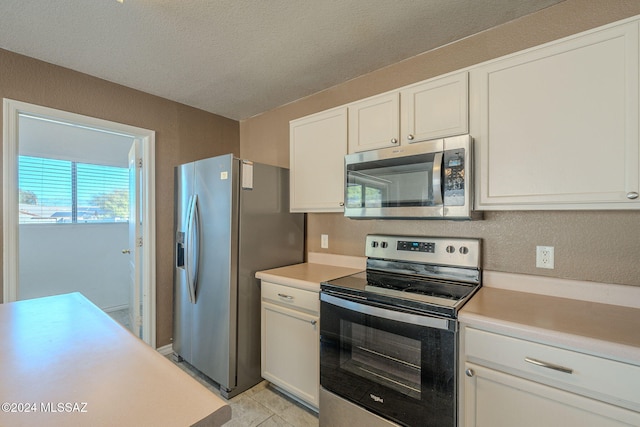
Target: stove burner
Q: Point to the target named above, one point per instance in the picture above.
(422, 291)
(432, 288)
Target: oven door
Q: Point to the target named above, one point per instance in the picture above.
(403, 182)
(398, 365)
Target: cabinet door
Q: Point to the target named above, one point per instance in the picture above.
(435, 109)
(374, 122)
(496, 399)
(318, 144)
(290, 351)
(556, 127)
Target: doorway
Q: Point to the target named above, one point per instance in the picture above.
(116, 158)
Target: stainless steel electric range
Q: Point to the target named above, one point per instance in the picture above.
(389, 335)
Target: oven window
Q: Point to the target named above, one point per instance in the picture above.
(382, 357)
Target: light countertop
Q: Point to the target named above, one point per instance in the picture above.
(601, 329)
(307, 276)
(65, 362)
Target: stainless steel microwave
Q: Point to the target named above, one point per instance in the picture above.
(430, 180)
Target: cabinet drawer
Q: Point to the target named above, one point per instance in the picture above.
(601, 378)
(291, 297)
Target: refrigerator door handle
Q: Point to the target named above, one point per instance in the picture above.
(193, 247)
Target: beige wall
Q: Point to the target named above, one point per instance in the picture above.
(182, 134)
(593, 245)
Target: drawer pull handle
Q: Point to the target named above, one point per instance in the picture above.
(285, 296)
(548, 365)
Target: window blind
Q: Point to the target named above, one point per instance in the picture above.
(62, 191)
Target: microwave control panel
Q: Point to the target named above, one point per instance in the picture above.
(454, 178)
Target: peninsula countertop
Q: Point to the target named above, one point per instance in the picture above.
(65, 362)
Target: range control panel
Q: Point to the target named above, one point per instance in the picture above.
(452, 251)
(406, 245)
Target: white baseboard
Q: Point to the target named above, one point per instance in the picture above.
(116, 308)
(165, 350)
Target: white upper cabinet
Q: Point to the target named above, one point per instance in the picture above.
(556, 127)
(434, 109)
(318, 144)
(374, 122)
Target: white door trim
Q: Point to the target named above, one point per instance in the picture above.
(11, 110)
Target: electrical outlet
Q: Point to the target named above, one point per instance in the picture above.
(324, 241)
(544, 257)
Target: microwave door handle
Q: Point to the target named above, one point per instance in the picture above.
(437, 178)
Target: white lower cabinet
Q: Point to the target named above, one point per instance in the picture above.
(291, 341)
(514, 382)
(497, 399)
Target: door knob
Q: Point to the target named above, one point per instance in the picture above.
(126, 251)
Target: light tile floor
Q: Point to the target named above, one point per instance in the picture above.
(262, 405)
(121, 316)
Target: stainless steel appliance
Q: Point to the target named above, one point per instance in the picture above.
(431, 179)
(232, 219)
(389, 336)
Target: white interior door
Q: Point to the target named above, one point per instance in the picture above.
(135, 239)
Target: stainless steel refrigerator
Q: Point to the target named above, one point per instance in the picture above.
(232, 219)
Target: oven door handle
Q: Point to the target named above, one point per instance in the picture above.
(398, 316)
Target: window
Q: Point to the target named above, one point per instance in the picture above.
(62, 191)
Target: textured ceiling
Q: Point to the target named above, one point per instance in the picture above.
(238, 58)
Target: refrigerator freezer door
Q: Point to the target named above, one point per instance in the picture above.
(214, 313)
(183, 308)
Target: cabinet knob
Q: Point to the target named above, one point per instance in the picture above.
(469, 372)
(394, 140)
(410, 137)
(341, 203)
(314, 322)
(632, 195)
